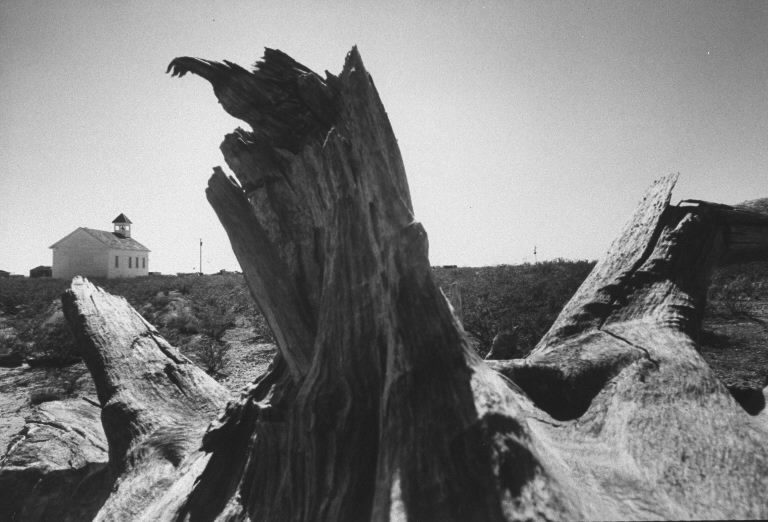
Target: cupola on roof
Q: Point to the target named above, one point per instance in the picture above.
(122, 218)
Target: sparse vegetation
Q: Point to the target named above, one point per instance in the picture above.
(213, 357)
(501, 297)
(215, 316)
(736, 289)
(52, 343)
(194, 312)
(733, 338)
(181, 307)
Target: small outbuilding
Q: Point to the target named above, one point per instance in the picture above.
(41, 271)
(99, 253)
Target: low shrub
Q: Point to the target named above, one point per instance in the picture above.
(213, 357)
(214, 316)
(160, 300)
(185, 323)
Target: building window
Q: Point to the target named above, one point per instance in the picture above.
(137, 261)
(143, 262)
(130, 260)
(117, 261)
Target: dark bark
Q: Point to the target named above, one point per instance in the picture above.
(326, 238)
(375, 407)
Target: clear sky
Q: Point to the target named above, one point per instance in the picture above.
(521, 123)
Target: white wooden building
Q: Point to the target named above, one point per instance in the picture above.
(99, 253)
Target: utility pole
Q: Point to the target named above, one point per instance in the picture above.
(535, 261)
(201, 257)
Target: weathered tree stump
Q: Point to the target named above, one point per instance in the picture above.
(375, 408)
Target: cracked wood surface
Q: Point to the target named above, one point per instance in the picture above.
(155, 403)
(368, 348)
(634, 319)
(645, 424)
(375, 407)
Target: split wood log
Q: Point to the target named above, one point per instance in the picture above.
(375, 408)
(155, 403)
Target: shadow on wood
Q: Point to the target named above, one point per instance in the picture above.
(375, 408)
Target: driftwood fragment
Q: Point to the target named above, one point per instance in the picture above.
(155, 403)
(375, 408)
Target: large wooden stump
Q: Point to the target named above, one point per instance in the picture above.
(375, 407)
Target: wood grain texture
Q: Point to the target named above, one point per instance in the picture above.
(375, 407)
(331, 252)
(155, 403)
(645, 426)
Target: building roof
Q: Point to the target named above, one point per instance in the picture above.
(122, 218)
(109, 239)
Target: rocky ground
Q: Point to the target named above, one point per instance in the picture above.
(246, 358)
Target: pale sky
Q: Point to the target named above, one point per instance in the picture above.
(520, 123)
